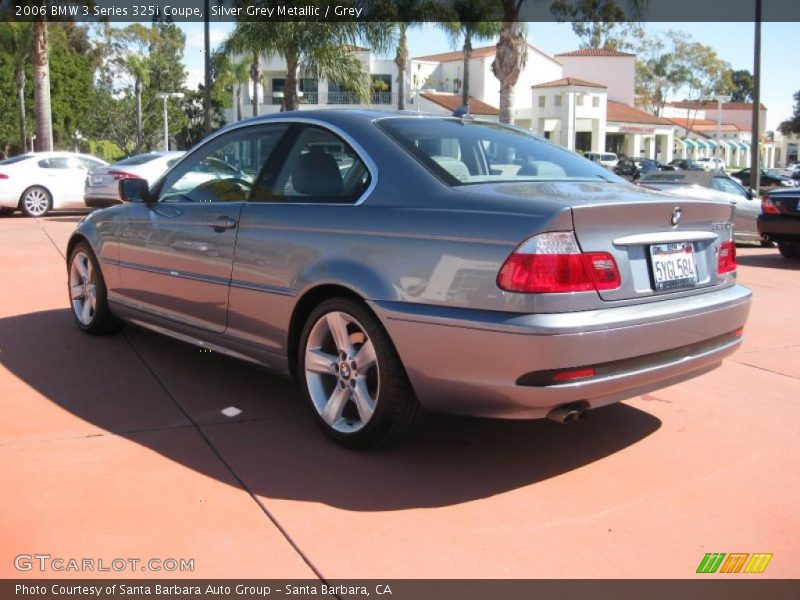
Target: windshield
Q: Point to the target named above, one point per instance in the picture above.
(15, 159)
(465, 152)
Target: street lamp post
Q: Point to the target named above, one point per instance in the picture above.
(165, 97)
(720, 98)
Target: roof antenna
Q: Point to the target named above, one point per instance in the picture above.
(461, 112)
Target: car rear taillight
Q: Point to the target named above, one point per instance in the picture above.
(768, 206)
(117, 175)
(726, 261)
(553, 263)
(3, 176)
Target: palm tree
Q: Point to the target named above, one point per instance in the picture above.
(139, 69)
(233, 75)
(40, 59)
(510, 58)
(311, 49)
(15, 42)
(477, 26)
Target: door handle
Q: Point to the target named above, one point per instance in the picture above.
(222, 223)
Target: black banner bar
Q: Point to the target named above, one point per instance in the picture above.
(744, 587)
(680, 11)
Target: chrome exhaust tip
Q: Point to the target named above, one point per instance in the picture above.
(568, 413)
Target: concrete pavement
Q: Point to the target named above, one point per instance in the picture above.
(138, 446)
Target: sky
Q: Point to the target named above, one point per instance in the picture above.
(780, 76)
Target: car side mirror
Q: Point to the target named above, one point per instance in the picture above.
(134, 190)
(749, 194)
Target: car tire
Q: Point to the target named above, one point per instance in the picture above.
(353, 378)
(36, 201)
(88, 293)
(767, 244)
(789, 250)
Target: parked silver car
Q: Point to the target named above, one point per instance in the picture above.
(393, 263)
(713, 185)
(102, 185)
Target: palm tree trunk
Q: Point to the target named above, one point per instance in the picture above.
(290, 89)
(137, 90)
(509, 61)
(239, 101)
(23, 134)
(467, 55)
(40, 58)
(401, 60)
(255, 75)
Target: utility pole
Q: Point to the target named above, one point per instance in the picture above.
(165, 97)
(206, 70)
(720, 99)
(755, 164)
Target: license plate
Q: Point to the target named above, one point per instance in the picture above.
(673, 265)
(96, 180)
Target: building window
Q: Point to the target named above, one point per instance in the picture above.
(596, 101)
(541, 101)
(381, 89)
(558, 100)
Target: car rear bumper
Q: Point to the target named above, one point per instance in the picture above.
(487, 364)
(779, 228)
(101, 201)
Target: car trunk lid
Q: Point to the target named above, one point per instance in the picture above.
(645, 231)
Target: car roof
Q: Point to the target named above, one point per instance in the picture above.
(343, 116)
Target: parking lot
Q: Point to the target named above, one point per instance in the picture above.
(121, 447)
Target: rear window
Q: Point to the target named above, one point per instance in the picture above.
(464, 152)
(139, 159)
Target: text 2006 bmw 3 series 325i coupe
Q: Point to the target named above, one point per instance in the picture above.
(394, 264)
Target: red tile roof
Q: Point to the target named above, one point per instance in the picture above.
(453, 101)
(622, 113)
(595, 52)
(476, 53)
(569, 81)
(459, 55)
(712, 104)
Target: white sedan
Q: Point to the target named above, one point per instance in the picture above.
(102, 185)
(40, 182)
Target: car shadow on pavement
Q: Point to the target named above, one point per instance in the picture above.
(272, 446)
(773, 260)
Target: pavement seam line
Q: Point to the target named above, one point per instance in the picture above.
(225, 463)
(52, 241)
(767, 370)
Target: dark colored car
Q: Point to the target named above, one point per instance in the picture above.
(766, 178)
(685, 164)
(633, 168)
(780, 220)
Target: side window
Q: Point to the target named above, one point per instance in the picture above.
(726, 185)
(224, 169)
(320, 167)
(58, 162)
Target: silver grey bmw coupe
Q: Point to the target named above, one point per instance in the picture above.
(394, 263)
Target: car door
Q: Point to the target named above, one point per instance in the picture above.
(176, 252)
(64, 177)
(314, 185)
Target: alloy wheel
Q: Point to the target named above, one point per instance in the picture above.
(36, 202)
(342, 372)
(83, 288)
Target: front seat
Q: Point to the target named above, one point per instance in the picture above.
(317, 174)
